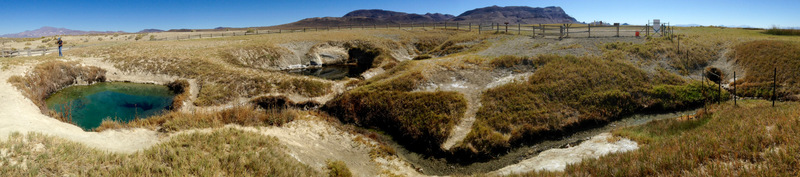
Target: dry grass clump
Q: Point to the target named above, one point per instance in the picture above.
(508, 61)
(752, 139)
(760, 59)
(49, 77)
(226, 152)
(282, 102)
(338, 169)
(690, 52)
(263, 56)
(245, 115)
(567, 94)
(419, 120)
(460, 42)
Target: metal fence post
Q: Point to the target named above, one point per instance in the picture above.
(457, 26)
(445, 25)
(479, 28)
(590, 30)
(470, 27)
(734, 88)
(519, 29)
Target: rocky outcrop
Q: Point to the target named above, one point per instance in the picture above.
(515, 15)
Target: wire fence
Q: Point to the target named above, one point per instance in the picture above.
(533, 30)
(30, 52)
(778, 89)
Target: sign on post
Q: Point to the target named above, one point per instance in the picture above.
(656, 25)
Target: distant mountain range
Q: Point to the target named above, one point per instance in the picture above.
(492, 14)
(150, 31)
(52, 31)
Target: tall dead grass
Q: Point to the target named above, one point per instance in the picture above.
(751, 139)
(245, 115)
(760, 59)
(226, 152)
(49, 77)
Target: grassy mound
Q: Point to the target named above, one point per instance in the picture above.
(419, 120)
(760, 59)
(225, 152)
(568, 93)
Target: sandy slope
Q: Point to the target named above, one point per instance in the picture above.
(558, 159)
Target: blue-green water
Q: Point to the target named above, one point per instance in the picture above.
(89, 105)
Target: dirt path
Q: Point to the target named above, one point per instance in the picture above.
(19, 114)
(471, 84)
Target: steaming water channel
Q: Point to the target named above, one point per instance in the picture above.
(88, 106)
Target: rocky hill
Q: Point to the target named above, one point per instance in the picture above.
(492, 14)
(52, 31)
(515, 15)
(371, 17)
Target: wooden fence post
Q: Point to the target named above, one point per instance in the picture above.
(479, 28)
(617, 30)
(734, 88)
(590, 30)
(533, 31)
(774, 86)
(457, 26)
(719, 91)
(470, 27)
(445, 25)
(519, 29)
(543, 33)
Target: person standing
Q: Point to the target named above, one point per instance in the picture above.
(60, 43)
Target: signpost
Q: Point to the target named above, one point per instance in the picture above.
(656, 25)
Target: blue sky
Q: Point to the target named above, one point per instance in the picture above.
(132, 16)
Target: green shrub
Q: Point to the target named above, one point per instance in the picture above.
(777, 31)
